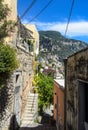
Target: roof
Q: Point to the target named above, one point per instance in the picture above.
(84, 49)
(61, 82)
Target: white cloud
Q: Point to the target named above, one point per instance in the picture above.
(76, 28)
(25, 21)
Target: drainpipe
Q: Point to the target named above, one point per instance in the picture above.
(65, 95)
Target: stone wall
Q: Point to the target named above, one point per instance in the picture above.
(6, 103)
(13, 96)
(76, 70)
(26, 65)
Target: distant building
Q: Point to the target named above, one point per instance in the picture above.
(49, 72)
(76, 91)
(59, 103)
(35, 36)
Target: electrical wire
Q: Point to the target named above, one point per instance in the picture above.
(69, 17)
(29, 7)
(41, 10)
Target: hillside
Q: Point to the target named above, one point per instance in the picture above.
(54, 48)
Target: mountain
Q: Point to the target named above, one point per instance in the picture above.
(54, 47)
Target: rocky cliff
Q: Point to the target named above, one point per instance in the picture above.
(54, 47)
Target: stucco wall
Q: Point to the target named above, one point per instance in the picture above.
(12, 15)
(76, 70)
(59, 105)
(12, 4)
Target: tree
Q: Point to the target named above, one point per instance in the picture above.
(6, 26)
(45, 90)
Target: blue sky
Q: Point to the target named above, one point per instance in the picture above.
(55, 16)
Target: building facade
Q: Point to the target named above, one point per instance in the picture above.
(14, 95)
(76, 92)
(35, 36)
(12, 15)
(59, 103)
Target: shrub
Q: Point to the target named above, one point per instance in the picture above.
(45, 90)
(8, 62)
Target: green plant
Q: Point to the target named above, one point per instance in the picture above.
(31, 45)
(6, 26)
(8, 62)
(45, 90)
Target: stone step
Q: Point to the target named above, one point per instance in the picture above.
(32, 97)
(27, 120)
(26, 123)
(31, 101)
(28, 116)
(31, 94)
(29, 111)
(30, 105)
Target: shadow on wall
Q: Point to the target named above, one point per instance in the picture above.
(48, 119)
(13, 123)
(4, 97)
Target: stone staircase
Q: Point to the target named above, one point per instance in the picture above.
(31, 110)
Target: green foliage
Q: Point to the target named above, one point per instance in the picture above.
(52, 34)
(45, 90)
(6, 26)
(3, 10)
(8, 62)
(31, 45)
(57, 44)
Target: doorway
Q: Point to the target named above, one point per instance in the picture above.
(17, 97)
(83, 105)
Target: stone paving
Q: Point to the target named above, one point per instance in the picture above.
(39, 127)
(45, 124)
